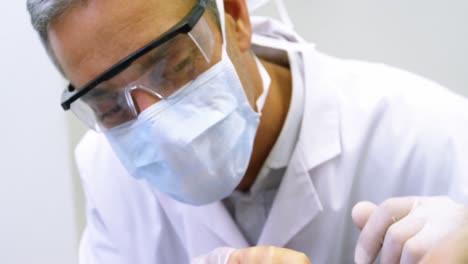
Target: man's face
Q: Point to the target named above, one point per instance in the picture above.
(89, 38)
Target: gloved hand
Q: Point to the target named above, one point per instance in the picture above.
(267, 255)
(452, 249)
(404, 229)
(253, 255)
(217, 256)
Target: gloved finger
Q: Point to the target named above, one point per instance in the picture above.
(415, 249)
(396, 237)
(432, 233)
(361, 213)
(452, 249)
(372, 235)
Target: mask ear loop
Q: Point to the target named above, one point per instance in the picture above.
(222, 22)
(280, 7)
(256, 4)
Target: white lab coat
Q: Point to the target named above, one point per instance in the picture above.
(369, 132)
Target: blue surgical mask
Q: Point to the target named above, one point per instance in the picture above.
(196, 145)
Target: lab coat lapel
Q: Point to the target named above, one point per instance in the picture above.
(297, 202)
(295, 205)
(216, 219)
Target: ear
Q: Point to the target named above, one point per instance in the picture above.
(237, 10)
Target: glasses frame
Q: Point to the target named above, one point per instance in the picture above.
(183, 27)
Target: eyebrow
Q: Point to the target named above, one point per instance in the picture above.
(153, 57)
(99, 92)
(159, 52)
(142, 67)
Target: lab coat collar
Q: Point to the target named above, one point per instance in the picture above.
(217, 219)
(295, 205)
(319, 139)
(297, 202)
(284, 146)
(320, 132)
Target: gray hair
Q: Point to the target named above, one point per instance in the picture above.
(44, 12)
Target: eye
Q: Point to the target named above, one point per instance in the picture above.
(169, 72)
(110, 114)
(109, 106)
(173, 69)
(182, 64)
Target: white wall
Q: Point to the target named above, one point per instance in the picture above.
(428, 37)
(37, 205)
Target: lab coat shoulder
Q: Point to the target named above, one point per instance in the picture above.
(403, 132)
(125, 222)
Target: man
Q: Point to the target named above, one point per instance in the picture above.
(229, 138)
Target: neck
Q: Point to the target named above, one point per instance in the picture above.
(273, 116)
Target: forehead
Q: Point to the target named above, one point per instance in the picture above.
(90, 37)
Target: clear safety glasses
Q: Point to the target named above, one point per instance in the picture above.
(160, 69)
